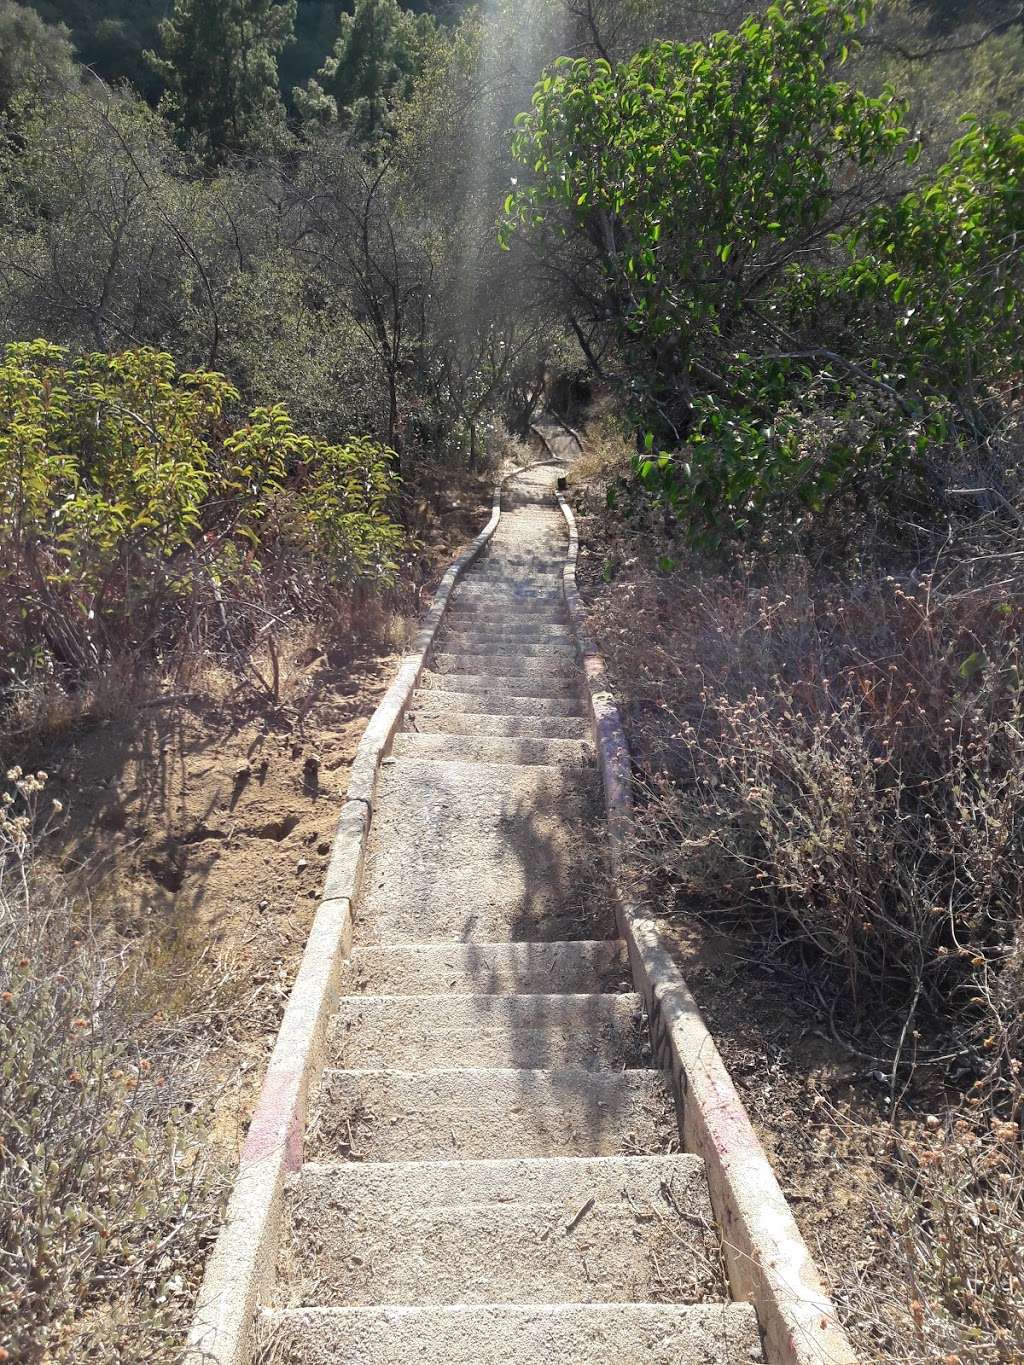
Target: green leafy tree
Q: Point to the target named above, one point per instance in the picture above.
(379, 51)
(36, 59)
(676, 187)
(130, 504)
(219, 70)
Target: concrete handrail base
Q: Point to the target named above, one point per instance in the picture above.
(767, 1260)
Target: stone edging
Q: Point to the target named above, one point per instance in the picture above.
(767, 1259)
(240, 1268)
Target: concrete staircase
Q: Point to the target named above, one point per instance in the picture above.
(492, 1174)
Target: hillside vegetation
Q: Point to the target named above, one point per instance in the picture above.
(280, 282)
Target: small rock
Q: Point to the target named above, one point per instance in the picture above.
(302, 863)
(264, 905)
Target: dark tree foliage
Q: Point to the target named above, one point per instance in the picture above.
(218, 65)
(316, 27)
(110, 36)
(35, 58)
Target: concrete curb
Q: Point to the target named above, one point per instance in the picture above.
(240, 1267)
(767, 1259)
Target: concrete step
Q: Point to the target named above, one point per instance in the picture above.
(503, 595)
(484, 620)
(516, 575)
(561, 1230)
(480, 1113)
(573, 968)
(494, 749)
(509, 637)
(495, 571)
(526, 727)
(535, 1032)
(489, 851)
(469, 645)
(501, 685)
(500, 556)
(441, 701)
(509, 1334)
(525, 612)
(503, 664)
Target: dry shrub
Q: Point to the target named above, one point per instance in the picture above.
(831, 764)
(840, 765)
(947, 1222)
(103, 1210)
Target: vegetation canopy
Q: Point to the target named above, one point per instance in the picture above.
(131, 502)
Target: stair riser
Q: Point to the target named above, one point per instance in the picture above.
(619, 1334)
(521, 727)
(489, 968)
(500, 685)
(469, 646)
(495, 749)
(509, 637)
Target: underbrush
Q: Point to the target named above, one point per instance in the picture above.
(831, 768)
(147, 520)
(105, 1206)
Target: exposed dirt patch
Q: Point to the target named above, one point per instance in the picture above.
(201, 825)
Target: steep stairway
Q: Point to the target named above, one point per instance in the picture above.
(492, 1172)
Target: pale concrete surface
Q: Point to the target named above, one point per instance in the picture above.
(480, 723)
(448, 699)
(570, 753)
(572, 968)
(498, 1176)
(504, 1334)
(498, 686)
(507, 664)
(438, 1115)
(472, 645)
(557, 1230)
(490, 851)
(423, 1032)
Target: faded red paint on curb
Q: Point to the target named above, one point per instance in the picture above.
(768, 1261)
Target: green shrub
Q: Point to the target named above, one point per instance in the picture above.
(793, 332)
(132, 505)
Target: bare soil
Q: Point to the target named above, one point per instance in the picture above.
(199, 825)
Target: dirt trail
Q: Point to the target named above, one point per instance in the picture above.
(491, 1172)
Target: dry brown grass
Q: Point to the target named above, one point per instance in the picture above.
(832, 766)
(105, 1201)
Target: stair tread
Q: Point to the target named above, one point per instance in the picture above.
(509, 1334)
(529, 1230)
(533, 1032)
(494, 749)
(444, 699)
(461, 849)
(480, 1112)
(480, 723)
(574, 966)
